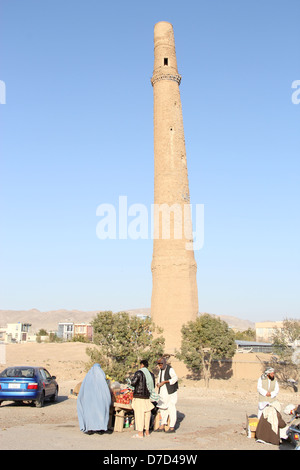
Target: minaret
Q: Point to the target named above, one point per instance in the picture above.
(174, 292)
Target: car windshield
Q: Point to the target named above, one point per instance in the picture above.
(26, 372)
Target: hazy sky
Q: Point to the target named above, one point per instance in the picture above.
(77, 132)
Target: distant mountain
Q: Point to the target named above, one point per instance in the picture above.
(49, 320)
(236, 323)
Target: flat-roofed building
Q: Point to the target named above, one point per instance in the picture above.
(83, 329)
(65, 330)
(17, 332)
(265, 330)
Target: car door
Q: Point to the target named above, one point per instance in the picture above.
(48, 382)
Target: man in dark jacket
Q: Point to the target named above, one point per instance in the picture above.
(143, 384)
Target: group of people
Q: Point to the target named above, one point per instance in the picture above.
(94, 399)
(145, 397)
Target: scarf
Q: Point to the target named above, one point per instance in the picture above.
(149, 382)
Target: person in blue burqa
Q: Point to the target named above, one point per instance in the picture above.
(93, 401)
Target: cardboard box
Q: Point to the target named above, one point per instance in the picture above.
(251, 425)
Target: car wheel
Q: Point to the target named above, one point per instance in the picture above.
(40, 402)
(55, 396)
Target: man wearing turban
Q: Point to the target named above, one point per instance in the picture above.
(268, 388)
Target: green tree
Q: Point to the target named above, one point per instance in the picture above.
(122, 341)
(246, 335)
(42, 332)
(206, 339)
(283, 338)
(285, 346)
(80, 339)
(53, 338)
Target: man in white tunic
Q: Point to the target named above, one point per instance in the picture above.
(167, 389)
(268, 388)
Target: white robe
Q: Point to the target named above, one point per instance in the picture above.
(167, 404)
(263, 391)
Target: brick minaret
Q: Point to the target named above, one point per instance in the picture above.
(174, 292)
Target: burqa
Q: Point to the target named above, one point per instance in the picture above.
(94, 401)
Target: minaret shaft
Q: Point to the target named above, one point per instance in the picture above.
(174, 294)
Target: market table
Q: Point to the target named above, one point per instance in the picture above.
(121, 409)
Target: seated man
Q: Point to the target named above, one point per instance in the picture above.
(270, 423)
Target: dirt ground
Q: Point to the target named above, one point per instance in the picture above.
(208, 419)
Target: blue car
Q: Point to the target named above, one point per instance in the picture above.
(27, 383)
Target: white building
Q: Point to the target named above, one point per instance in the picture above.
(17, 332)
(265, 330)
(65, 330)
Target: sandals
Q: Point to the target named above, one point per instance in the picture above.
(170, 430)
(136, 436)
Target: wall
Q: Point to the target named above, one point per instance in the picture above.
(241, 366)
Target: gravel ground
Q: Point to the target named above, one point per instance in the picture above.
(207, 420)
(213, 419)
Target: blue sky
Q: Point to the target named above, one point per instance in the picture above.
(77, 131)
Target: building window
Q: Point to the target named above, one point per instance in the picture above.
(165, 61)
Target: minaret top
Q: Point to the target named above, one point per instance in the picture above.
(164, 30)
(165, 63)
